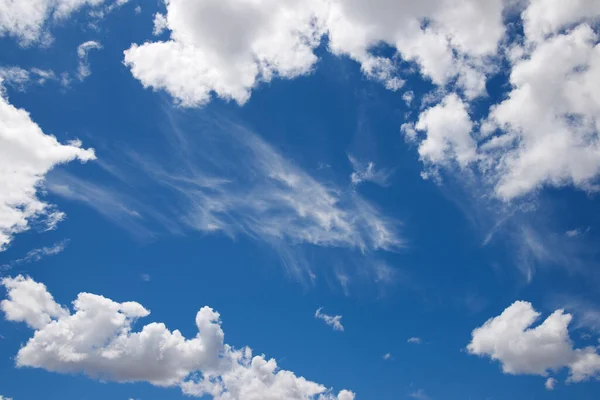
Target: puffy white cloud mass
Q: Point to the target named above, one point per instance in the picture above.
(334, 321)
(522, 349)
(544, 131)
(227, 47)
(26, 155)
(97, 339)
(27, 21)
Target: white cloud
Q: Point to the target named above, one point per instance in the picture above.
(408, 97)
(387, 356)
(97, 339)
(20, 78)
(4, 398)
(28, 21)
(510, 339)
(236, 183)
(550, 383)
(26, 155)
(542, 134)
(39, 253)
(335, 321)
(545, 131)
(414, 340)
(419, 395)
(366, 172)
(83, 70)
(227, 48)
(448, 128)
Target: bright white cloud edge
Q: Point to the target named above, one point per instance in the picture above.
(511, 339)
(96, 339)
(26, 155)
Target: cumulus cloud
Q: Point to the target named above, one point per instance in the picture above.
(97, 339)
(83, 69)
(28, 21)
(335, 321)
(414, 340)
(522, 349)
(550, 383)
(543, 133)
(26, 155)
(448, 127)
(227, 48)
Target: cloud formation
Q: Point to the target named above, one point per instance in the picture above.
(26, 155)
(543, 133)
(39, 253)
(226, 48)
(97, 339)
(366, 172)
(83, 69)
(334, 321)
(522, 349)
(28, 21)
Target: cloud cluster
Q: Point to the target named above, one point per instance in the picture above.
(27, 21)
(334, 321)
(26, 155)
(227, 48)
(97, 339)
(522, 349)
(544, 132)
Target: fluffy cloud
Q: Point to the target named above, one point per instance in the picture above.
(544, 132)
(448, 127)
(227, 47)
(335, 321)
(27, 20)
(26, 155)
(414, 340)
(510, 339)
(97, 339)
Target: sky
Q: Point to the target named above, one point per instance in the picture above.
(299, 199)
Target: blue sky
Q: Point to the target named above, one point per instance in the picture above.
(391, 200)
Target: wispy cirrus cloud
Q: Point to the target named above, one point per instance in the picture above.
(38, 254)
(222, 178)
